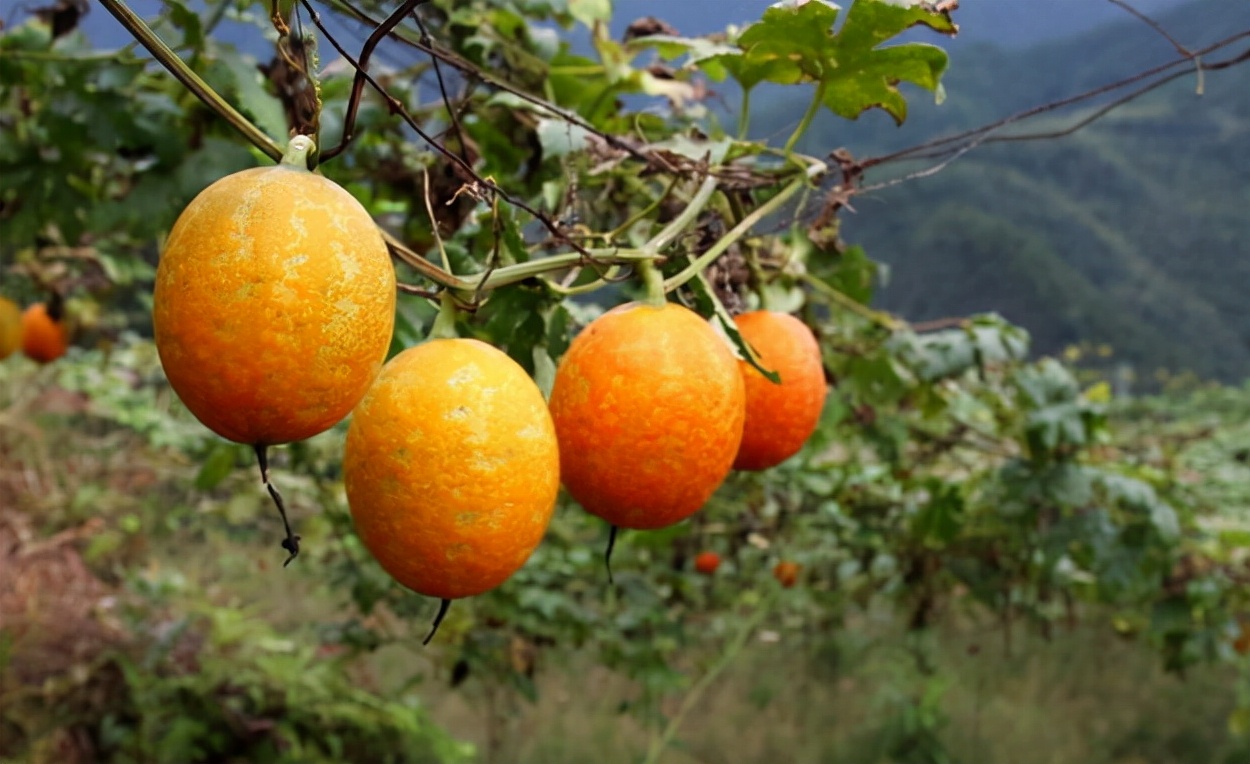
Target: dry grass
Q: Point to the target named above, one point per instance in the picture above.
(1088, 697)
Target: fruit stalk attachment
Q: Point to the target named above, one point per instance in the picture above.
(291, 542)
(444, 326)
(443, 605)
(607, 553)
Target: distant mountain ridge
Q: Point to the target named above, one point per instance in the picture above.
(1133, 232)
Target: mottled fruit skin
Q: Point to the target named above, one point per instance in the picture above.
(10, 328)
(706, 562)
(43, 339)
(780, 417)
(787, 573)
(274, 305)
(452, 468)
(648, 405)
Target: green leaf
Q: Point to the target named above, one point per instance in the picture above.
(218, 464)
(188, 21)
(698, 50)
(590, 11)
(940, 519)
(795, 43)
(237, 77)
(559, 137)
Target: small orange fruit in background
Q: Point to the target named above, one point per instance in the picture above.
(787, 573)
(451, 467)
(274, 303)
(648, 405)
(44, 336)
(780, 417)
(1242, 643)
(706, 562)
(10, 328)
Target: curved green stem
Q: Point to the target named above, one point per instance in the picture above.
(444, 327)
(590, 286)
(190, 80)
(642, 213)
(421, 265)
(737, 232)
(744, 115)
(653, 280)
(297, 152)
(700, 687)
(817, 98)
(884, 320)
(511, 274)
(684, 219)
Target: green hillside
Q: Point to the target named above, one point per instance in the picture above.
(1133, 232)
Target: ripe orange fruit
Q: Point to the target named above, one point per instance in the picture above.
(452, 468)
(10, 328)
(648, 405)
(706, 562)
(787, 573)
(44, 337)
(274, 303)
(1242, 643)
(780, 417)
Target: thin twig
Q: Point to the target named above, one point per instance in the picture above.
(913, 152)
(442, 87)
(475, 183)
(469, 70)
(987, 138)
(1155, 26)
(358, 84)
(173, 64)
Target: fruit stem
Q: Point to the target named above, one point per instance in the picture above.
(607, 554)
(653, 282)
(189, 79)
(297, 153)
(737, 232)
(818, 98)
(444, 327)
(291, 542)
(443, 605)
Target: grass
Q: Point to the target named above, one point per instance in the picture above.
(868, 694)
(1085, 697)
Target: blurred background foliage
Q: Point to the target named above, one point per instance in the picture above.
(1001, 557)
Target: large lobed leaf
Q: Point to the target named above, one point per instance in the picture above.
(797, 43)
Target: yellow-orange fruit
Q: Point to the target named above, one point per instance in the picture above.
(452, 468)
(274, 303)
(780, 417)
(10, 328)
(44, 339)
(648, 405)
